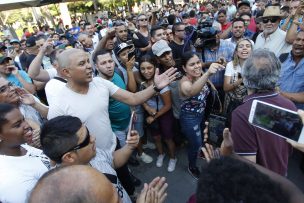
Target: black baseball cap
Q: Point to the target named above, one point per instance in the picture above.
(119, 48)
(244, 2)
(31, 41)
(3, 58)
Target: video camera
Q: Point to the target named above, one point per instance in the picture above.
(205, 32)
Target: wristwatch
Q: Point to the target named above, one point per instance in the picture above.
(156, 89)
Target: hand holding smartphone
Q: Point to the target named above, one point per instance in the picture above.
(277, 120)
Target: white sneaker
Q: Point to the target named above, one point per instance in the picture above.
(149, 145)
(145, 158)
(172, 164)
(160, 160)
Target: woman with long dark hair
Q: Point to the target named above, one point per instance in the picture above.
(194, 91)
(159, 115)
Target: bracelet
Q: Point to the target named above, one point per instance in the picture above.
(156, 89)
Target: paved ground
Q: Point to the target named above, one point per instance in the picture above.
(182, 185)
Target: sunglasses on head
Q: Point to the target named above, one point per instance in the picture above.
(272, 20)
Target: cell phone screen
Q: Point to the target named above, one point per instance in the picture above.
(215, 129)
(130, 55)
(278, 121)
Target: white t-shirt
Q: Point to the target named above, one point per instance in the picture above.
(231, 71)
(52, 89)
(90, 108)
(52, 72)
(103, 162)
(19, 174)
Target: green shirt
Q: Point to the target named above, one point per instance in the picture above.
(119, 112)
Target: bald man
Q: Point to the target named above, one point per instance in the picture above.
(74, 184)
(88, 98)
(79, 183)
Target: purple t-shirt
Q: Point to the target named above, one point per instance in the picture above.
(271, 151)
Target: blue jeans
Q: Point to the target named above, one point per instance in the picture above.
(192, 125)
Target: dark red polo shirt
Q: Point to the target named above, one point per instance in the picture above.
(271, 151)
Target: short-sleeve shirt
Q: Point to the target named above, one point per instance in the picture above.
(271, 151)
(225, 50)
(156, 101)
(13, 79)
(103, 162)
(178, 50)
(91, 108)
(292, 77)
(19, 174)
(274, 42)
(119, 112)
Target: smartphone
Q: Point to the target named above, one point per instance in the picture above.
(131, 124)
(277, 120)
(130, 55)
(216, 127)
(179, 75)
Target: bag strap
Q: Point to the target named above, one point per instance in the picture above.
(60, 79)
(216, 95)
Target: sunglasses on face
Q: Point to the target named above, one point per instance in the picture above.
(272, 20)
(144, 19)
(83, 144)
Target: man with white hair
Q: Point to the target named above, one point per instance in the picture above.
(260, 75)
(272, 38)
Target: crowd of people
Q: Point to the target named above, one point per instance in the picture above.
(67, 96)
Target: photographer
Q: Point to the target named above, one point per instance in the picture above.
(214, 50)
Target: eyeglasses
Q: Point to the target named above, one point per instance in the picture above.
(272, 20)
(5, 88)
(143, 19)
(180, 30)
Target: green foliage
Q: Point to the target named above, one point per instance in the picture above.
(81, 7)
(19, 15)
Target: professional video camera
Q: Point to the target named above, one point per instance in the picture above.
(205, 32)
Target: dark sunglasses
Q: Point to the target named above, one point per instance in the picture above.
(83, 144)
(272, 20)
(144, 19)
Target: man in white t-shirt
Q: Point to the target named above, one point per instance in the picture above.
(78, 147)
(88, 98)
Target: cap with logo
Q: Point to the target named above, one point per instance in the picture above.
(160, 47)
(119, 48)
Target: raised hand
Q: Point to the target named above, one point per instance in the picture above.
(164, 79)
(154, 192)
(214, 67)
